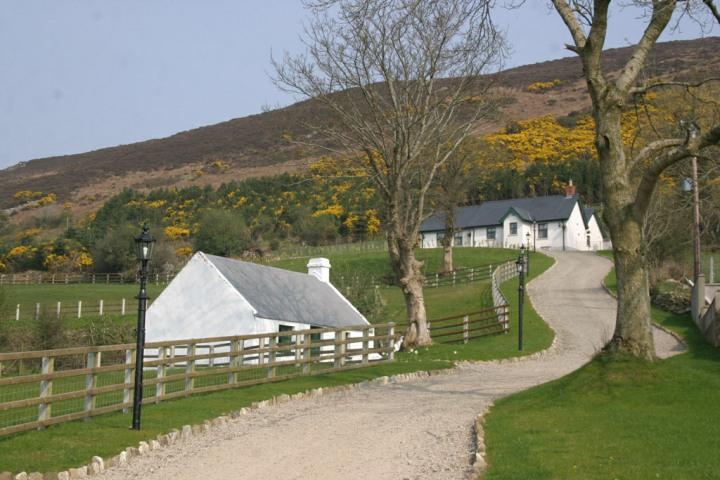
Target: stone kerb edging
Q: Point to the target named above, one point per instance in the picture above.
(99, 465)
(675, 335)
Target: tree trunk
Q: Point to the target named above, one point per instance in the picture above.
(407, 270)
(447, 252)
(633, 332)
(447, 243)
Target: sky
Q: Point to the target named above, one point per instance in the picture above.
(78, 75)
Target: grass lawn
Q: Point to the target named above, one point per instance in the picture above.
(72, 444)
(376, 264)
(618, 418)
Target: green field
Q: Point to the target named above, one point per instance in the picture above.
(615, 418)
(73, 443)
(376, 265)
(345, 267)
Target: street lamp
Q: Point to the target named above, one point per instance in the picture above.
(520, 265)
(527, 253)
(144, 243)
(692, 186)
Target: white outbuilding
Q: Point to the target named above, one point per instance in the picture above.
(215, 297)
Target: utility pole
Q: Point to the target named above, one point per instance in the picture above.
(696, 222)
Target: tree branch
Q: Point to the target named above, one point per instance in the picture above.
(670, 157)
(661, 15)
(566, 13)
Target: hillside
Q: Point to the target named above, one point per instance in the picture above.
(254, 145)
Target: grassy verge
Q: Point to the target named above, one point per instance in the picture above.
(615, 418)
(74, 443)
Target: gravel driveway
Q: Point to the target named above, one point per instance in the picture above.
(414, 430)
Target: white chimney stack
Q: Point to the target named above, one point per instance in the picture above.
(320, 269)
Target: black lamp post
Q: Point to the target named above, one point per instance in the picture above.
(520, 264)
(144, 243)
(527, 254)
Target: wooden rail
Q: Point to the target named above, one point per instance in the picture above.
(40, 278)
(468, 326)
(500, 275)
(43, 388)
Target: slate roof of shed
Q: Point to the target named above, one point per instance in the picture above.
(588, 212)
(491, 213)
(279, 294)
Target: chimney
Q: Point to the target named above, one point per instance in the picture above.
(570, 189)
(320, 269)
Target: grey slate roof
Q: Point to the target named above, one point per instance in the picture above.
(588, 212)
(491, 213)
(279, 294)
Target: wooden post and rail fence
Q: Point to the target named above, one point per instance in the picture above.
(43, 388)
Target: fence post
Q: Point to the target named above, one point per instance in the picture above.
(17, 313)
(107, 278)
(161, 368)
(232, 376)
(365, 346)
(52, 279)
(339, 353)
(37, 311)
(211, 360)
(453, 277)
(437, 280)
(44, 409)
(466, 328)
(93, 361)
(272, 341)
(712, 269)
(189, 370)
(59, 309)
(299, 339)
(79, 308)
(391, 341)
(307, 351)
(102, 304)
(122, 307)
(66, 279)
(128, 380)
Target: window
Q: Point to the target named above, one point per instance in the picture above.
(513, 228)
(285, 339)
(491, 233)
(458, 241)
(439, 238)
(542, 231)
(314, 338)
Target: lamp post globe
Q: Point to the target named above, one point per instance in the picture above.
(144, 244)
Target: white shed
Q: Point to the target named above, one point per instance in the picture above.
(214, 296)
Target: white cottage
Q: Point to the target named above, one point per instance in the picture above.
(215, 296)
(557, 222)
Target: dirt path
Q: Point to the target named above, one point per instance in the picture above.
(415, 430)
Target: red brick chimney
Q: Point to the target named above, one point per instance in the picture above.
(570, 189)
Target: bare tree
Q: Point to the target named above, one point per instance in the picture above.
(455, 179)
(402, 81)
(629, 180)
